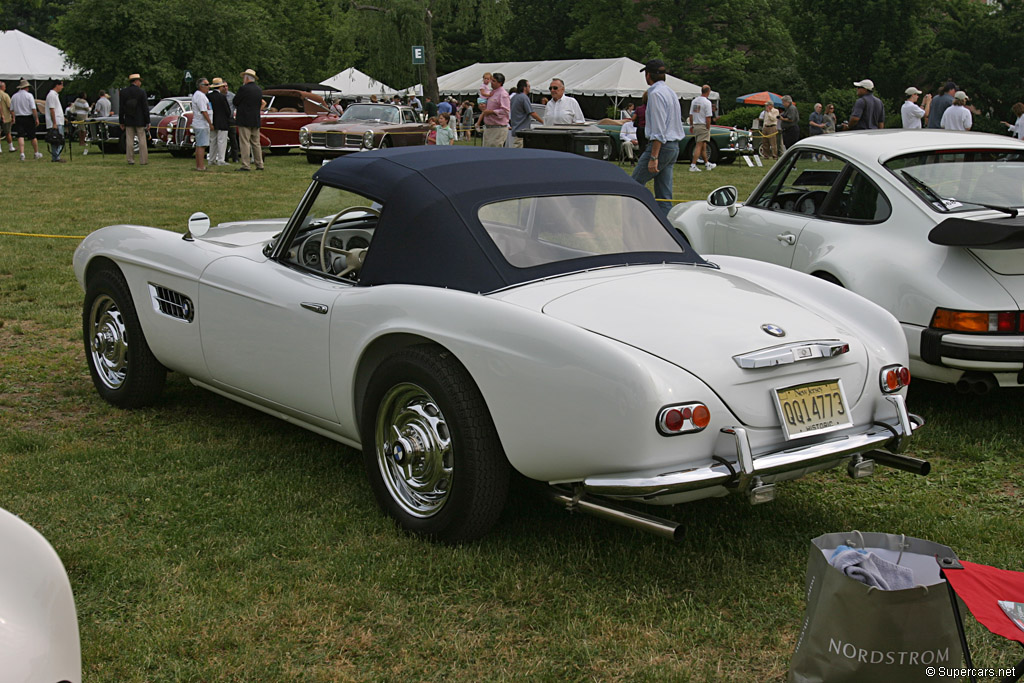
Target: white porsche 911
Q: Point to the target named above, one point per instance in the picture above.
(458, 313)
(924, 223)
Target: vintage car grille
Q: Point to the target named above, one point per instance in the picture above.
(181, 132)
(318, 139)
(341, 140)
(171, 303)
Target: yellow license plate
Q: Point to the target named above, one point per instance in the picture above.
(815, 408)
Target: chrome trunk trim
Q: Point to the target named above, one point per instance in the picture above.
(791, 353)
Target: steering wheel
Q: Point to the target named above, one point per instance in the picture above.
(354, 257)
(810, 201)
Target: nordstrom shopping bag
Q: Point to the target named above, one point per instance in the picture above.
(877, 610)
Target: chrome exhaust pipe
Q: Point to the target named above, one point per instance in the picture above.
(619, 514)
(979, 383)
(906, 463)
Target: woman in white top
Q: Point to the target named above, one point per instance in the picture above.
(1017, 128)
(80, 111)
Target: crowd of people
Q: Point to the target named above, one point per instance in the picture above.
(948, 110)
(650, 133)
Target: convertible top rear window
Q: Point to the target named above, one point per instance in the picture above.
(533, 231)
(957, 180)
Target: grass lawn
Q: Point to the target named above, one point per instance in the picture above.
(206, 541)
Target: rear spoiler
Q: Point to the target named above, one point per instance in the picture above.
(997, 233)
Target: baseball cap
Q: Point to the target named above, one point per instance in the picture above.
(867, 84)
(912, 91)
(961, 95)
(654, 66)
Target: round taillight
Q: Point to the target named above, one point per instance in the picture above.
(674, 420)
(687, 413)
(892, 380)
(905, 377)
(701, 417)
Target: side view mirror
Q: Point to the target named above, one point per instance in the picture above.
(198, 224)
(725, 196)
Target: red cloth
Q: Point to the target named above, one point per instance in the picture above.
(982, 587)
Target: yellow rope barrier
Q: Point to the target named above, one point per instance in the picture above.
(57, 237)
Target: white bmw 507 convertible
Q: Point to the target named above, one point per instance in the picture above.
(923, 223)
(462, 313)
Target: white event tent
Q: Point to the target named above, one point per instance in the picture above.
(354, 83)
(22, 56)
(615, 78)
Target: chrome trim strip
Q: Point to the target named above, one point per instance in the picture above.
(747, 466)
(791, 353)
(316, 308)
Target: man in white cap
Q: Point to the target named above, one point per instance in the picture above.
(868, 111)
(26, 118)
(911, 113)
(958, 117)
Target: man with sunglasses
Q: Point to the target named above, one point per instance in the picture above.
(561, 108)
(664, 129)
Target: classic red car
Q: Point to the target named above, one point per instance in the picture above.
(362, 127)
(285, 112)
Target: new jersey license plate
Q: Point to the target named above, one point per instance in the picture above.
(812, 408)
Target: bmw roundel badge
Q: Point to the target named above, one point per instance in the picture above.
(773, 330)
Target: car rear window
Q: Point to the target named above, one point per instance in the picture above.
(958, 180)
(531, 231)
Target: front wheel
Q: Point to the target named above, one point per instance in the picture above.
(430, 448)
(122, 367)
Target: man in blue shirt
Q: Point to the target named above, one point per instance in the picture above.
(664, 130)
(521, 113)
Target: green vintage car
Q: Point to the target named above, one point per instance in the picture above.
(726, 145)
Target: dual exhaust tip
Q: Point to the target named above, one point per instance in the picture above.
(979, 383)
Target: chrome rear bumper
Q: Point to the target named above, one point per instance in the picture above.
(742, 472)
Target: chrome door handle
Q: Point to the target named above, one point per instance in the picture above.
(316, 308)
(787, 237)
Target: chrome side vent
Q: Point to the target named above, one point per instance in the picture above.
(171, 303)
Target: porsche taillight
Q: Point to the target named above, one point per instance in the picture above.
(1006, 322)
(683, 418)
(893, 378)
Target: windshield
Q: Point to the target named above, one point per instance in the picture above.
(532, 231)
(165, 108)
(370, 112)
(963, 180)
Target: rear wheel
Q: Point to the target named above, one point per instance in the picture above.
(122, 367)
(430, 449)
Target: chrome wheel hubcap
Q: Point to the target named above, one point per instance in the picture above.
(414, 450)
(108, 342)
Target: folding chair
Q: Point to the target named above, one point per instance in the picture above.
(982, 588)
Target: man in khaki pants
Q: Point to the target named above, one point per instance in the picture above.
(248, 102)
(134, 119)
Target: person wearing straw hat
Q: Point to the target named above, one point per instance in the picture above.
(958, 116)
(26, 118)
(221, 121)
(248, 103)
(133, 118)
(912, 114)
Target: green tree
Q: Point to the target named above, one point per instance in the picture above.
(837, 44)
(379, 35)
